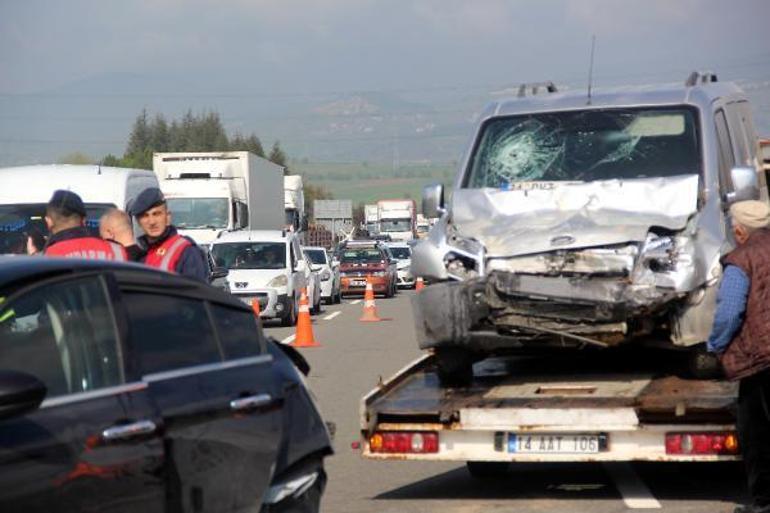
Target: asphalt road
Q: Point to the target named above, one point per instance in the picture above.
(352, 357)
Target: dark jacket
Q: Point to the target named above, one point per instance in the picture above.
(192, 262)
(749, 351)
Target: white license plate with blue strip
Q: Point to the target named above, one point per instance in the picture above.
(553, 443)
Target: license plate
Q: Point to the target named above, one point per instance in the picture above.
(358, 283)
(553, 443)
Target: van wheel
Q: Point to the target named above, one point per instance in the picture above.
(454, 366)
(488, 469)
(703, 365)
(290, 319)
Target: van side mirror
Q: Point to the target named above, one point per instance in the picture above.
(433, 200)
(745, 185)
(20, 393)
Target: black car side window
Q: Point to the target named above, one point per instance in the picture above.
(238, 332)
(64, 334)
(168, 332)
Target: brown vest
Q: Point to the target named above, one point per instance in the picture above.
(749, 351)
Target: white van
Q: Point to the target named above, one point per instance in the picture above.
(25, 191)
(269, 266)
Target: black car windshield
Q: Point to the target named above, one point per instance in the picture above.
(316, 256)
(16, 221)
(401, 253)
(360, 256)
(198, 213)
(250, 255)
(584, 146)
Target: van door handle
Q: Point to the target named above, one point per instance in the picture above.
(128, 431)
(250, 402)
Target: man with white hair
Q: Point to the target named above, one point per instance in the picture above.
(741, 337)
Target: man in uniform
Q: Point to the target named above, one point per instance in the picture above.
(166, 249)
(65, 217)
(741, 337)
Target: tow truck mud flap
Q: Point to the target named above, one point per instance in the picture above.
(445, 312)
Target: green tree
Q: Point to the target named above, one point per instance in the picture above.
(76, 157)
(160, 139)
(277, 156)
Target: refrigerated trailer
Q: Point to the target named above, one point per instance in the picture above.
(569, 408)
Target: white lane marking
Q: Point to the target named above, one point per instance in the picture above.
(632, 489)
(332, 316)
(355, 301)
(289, 339)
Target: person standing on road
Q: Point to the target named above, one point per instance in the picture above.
(115, 226)
(741, 337)
(166, 249)
(65, 216)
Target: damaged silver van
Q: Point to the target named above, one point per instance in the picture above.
(578, 222)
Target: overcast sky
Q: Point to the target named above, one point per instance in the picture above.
(345, 45)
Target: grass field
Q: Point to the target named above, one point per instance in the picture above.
(366, 182)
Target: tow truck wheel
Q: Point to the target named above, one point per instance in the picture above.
(488, 469)
(703, 365)
(454, 366)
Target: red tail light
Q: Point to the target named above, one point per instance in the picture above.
(725, 443)
(405, 442)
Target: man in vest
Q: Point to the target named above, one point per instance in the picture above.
(741, 337)
(65, 217)
(166, 249)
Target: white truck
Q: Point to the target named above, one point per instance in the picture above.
(27, 189)
(397, 218)
(371, 219)
(212, 192)
(294, 203)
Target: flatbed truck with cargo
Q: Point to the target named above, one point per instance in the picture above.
(618, 406)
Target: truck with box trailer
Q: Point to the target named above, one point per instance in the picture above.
(397, 218)
(371, 219)
(294, 203)
(212, 192)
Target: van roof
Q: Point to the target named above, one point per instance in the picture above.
(253, 235)
(700, 95)
(35, 184)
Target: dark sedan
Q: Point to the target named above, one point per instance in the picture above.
(128, 389)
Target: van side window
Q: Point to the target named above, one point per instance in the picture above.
(168, 332)
(726, 156)
(64, 334)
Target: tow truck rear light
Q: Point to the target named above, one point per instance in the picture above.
(404, 442)
(724, 443)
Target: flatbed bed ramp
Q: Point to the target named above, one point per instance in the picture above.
(630, 404)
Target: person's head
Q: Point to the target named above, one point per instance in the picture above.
(35, 241)
(116, 225)
(747, 217)
(64, 210)
(151, 212)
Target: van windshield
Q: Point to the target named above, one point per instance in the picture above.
(250, 255)
(199, 213)
(584, 146)
(16, 221)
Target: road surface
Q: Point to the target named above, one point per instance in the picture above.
(352, 357)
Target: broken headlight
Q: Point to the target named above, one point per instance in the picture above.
(460, 267)
(658, 254)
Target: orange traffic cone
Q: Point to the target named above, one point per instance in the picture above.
(419, 284)
(370, 309)
(304, 337)
(255, 307)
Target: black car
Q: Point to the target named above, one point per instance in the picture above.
(125, 389)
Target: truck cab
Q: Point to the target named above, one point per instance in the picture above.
(396, 219)
(203, 209)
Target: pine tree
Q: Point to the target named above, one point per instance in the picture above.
(277, 156)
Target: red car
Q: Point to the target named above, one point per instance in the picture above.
(360, 261)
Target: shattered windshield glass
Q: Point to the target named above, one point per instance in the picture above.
(584, 146)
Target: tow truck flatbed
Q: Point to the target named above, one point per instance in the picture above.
(629, 403)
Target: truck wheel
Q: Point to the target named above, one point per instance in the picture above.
(454, 366)
(703, 365)
(488, 469)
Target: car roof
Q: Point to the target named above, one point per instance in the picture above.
(668, 94)
(19, 271)
(254, 235)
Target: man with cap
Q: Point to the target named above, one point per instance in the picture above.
(65, 217)
(741, 337)
(166, 249)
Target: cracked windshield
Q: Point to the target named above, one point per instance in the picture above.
(586, 146)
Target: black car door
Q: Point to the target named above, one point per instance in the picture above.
(211, 380)
(81, 450)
